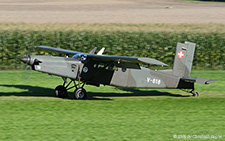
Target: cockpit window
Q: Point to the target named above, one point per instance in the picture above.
(81, 57)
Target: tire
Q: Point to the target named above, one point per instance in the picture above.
(80, 93)
(195, 94)
(61, 92)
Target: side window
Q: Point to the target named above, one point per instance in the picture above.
(111, 67)
(95, 66)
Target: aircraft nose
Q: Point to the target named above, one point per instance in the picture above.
(25, 59)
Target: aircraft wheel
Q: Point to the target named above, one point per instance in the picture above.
(195, 94)
(60, 91)
(80, 93)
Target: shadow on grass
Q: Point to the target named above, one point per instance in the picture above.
(28, 91)
(47, 92)
(134, 92)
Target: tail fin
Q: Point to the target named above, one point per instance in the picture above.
(183, 59)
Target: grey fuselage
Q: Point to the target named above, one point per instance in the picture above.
(94, 73)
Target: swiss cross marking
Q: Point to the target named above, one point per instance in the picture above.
(180, 54)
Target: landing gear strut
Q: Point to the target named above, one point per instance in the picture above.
(79, 93)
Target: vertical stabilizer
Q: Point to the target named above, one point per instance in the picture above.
(183, 59)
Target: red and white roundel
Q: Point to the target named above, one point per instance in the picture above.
(180, 54)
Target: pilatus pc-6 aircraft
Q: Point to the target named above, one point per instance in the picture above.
(120, 71)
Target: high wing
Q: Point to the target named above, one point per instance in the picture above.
(110, 58)
(59, 50)
(125, 59)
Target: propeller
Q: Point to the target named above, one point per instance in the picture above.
(24, 66)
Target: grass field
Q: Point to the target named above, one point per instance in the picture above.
(30, 112)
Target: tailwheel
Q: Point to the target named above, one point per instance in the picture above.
(60, 91)
(195, 94)
(80, 93)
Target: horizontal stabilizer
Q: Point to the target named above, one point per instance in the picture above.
(198, 80)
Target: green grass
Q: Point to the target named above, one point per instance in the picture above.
(30, 112)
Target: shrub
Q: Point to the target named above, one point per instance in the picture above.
(158, 45)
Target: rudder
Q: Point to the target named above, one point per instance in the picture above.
(183, 59)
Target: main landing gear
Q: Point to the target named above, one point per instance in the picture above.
(61, 91)
(79, 93)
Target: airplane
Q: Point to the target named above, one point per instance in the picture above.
(120, 71)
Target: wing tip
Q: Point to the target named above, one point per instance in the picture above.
(151, 61)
